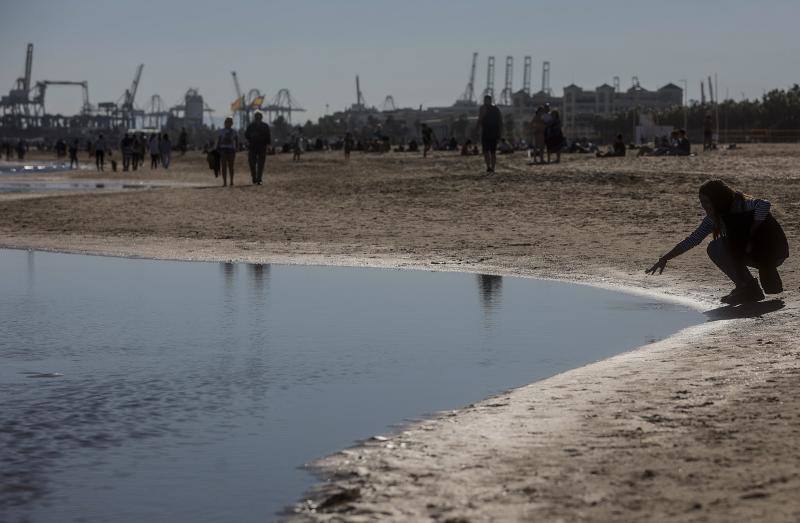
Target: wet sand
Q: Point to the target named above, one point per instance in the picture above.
(702, 426)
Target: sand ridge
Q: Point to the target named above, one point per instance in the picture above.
(701, 426)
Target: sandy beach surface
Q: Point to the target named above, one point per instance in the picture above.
(703, 426)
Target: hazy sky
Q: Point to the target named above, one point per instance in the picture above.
(417, 51)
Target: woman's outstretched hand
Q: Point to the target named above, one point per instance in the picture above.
(658, 266)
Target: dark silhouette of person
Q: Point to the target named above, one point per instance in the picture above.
(183, 141)
(490, 122)
(348, 145)
(427, 139)
(708, 132)
(100, 152)
(73, 154)
(258, 138)
(617, 149)
(126, 145)
(554, 136)
(22, 148)
(683, 147)
(745, 235)
(227, 145)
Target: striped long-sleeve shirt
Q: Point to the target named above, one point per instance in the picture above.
(760, 208)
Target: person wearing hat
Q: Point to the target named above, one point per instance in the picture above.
(258, 139)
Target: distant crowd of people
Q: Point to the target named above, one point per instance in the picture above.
(546, 144)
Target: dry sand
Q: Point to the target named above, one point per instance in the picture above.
(702, 426)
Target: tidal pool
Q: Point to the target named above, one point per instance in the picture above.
(33, 167)
(47, 186)
(140, 390)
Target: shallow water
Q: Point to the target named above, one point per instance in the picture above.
(139, 390)
(45, 186)
(33, 167)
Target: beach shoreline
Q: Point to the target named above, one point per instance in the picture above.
(699, 426)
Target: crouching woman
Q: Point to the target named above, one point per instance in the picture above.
(745, 234)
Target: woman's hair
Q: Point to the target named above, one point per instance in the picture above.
(722, 198)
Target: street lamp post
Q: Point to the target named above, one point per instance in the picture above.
(685, 105)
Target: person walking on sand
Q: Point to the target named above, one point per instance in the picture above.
(227, 144)
(155, 151)
(537, 127)
(297, 145)
(490, 122)
(745, 235)
(100, 152)
(258, 139)
(427, 139)
(183, 141)
(708, 133)
(22, 148)
(165, 149)
(126, 146)
(554, 136)
(73, 154)
(348, 145)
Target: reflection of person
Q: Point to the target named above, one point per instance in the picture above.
(227, 143)
(490, 121)
(491, 288)
(745, 234)
(258, 138)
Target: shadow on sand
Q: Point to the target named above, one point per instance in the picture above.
(745, 310)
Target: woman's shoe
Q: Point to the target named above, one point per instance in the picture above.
(770, 280)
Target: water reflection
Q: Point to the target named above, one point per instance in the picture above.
(173, 373)
(491, 289)
(259, 277)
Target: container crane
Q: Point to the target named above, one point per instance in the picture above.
(128, 111)
(41, 90)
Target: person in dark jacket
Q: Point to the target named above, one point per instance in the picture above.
(490, 121)
(258, 138)
(745, 235)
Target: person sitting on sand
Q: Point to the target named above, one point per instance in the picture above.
(683, 146)
(745, 234)
(466, 147)
(617, 149)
